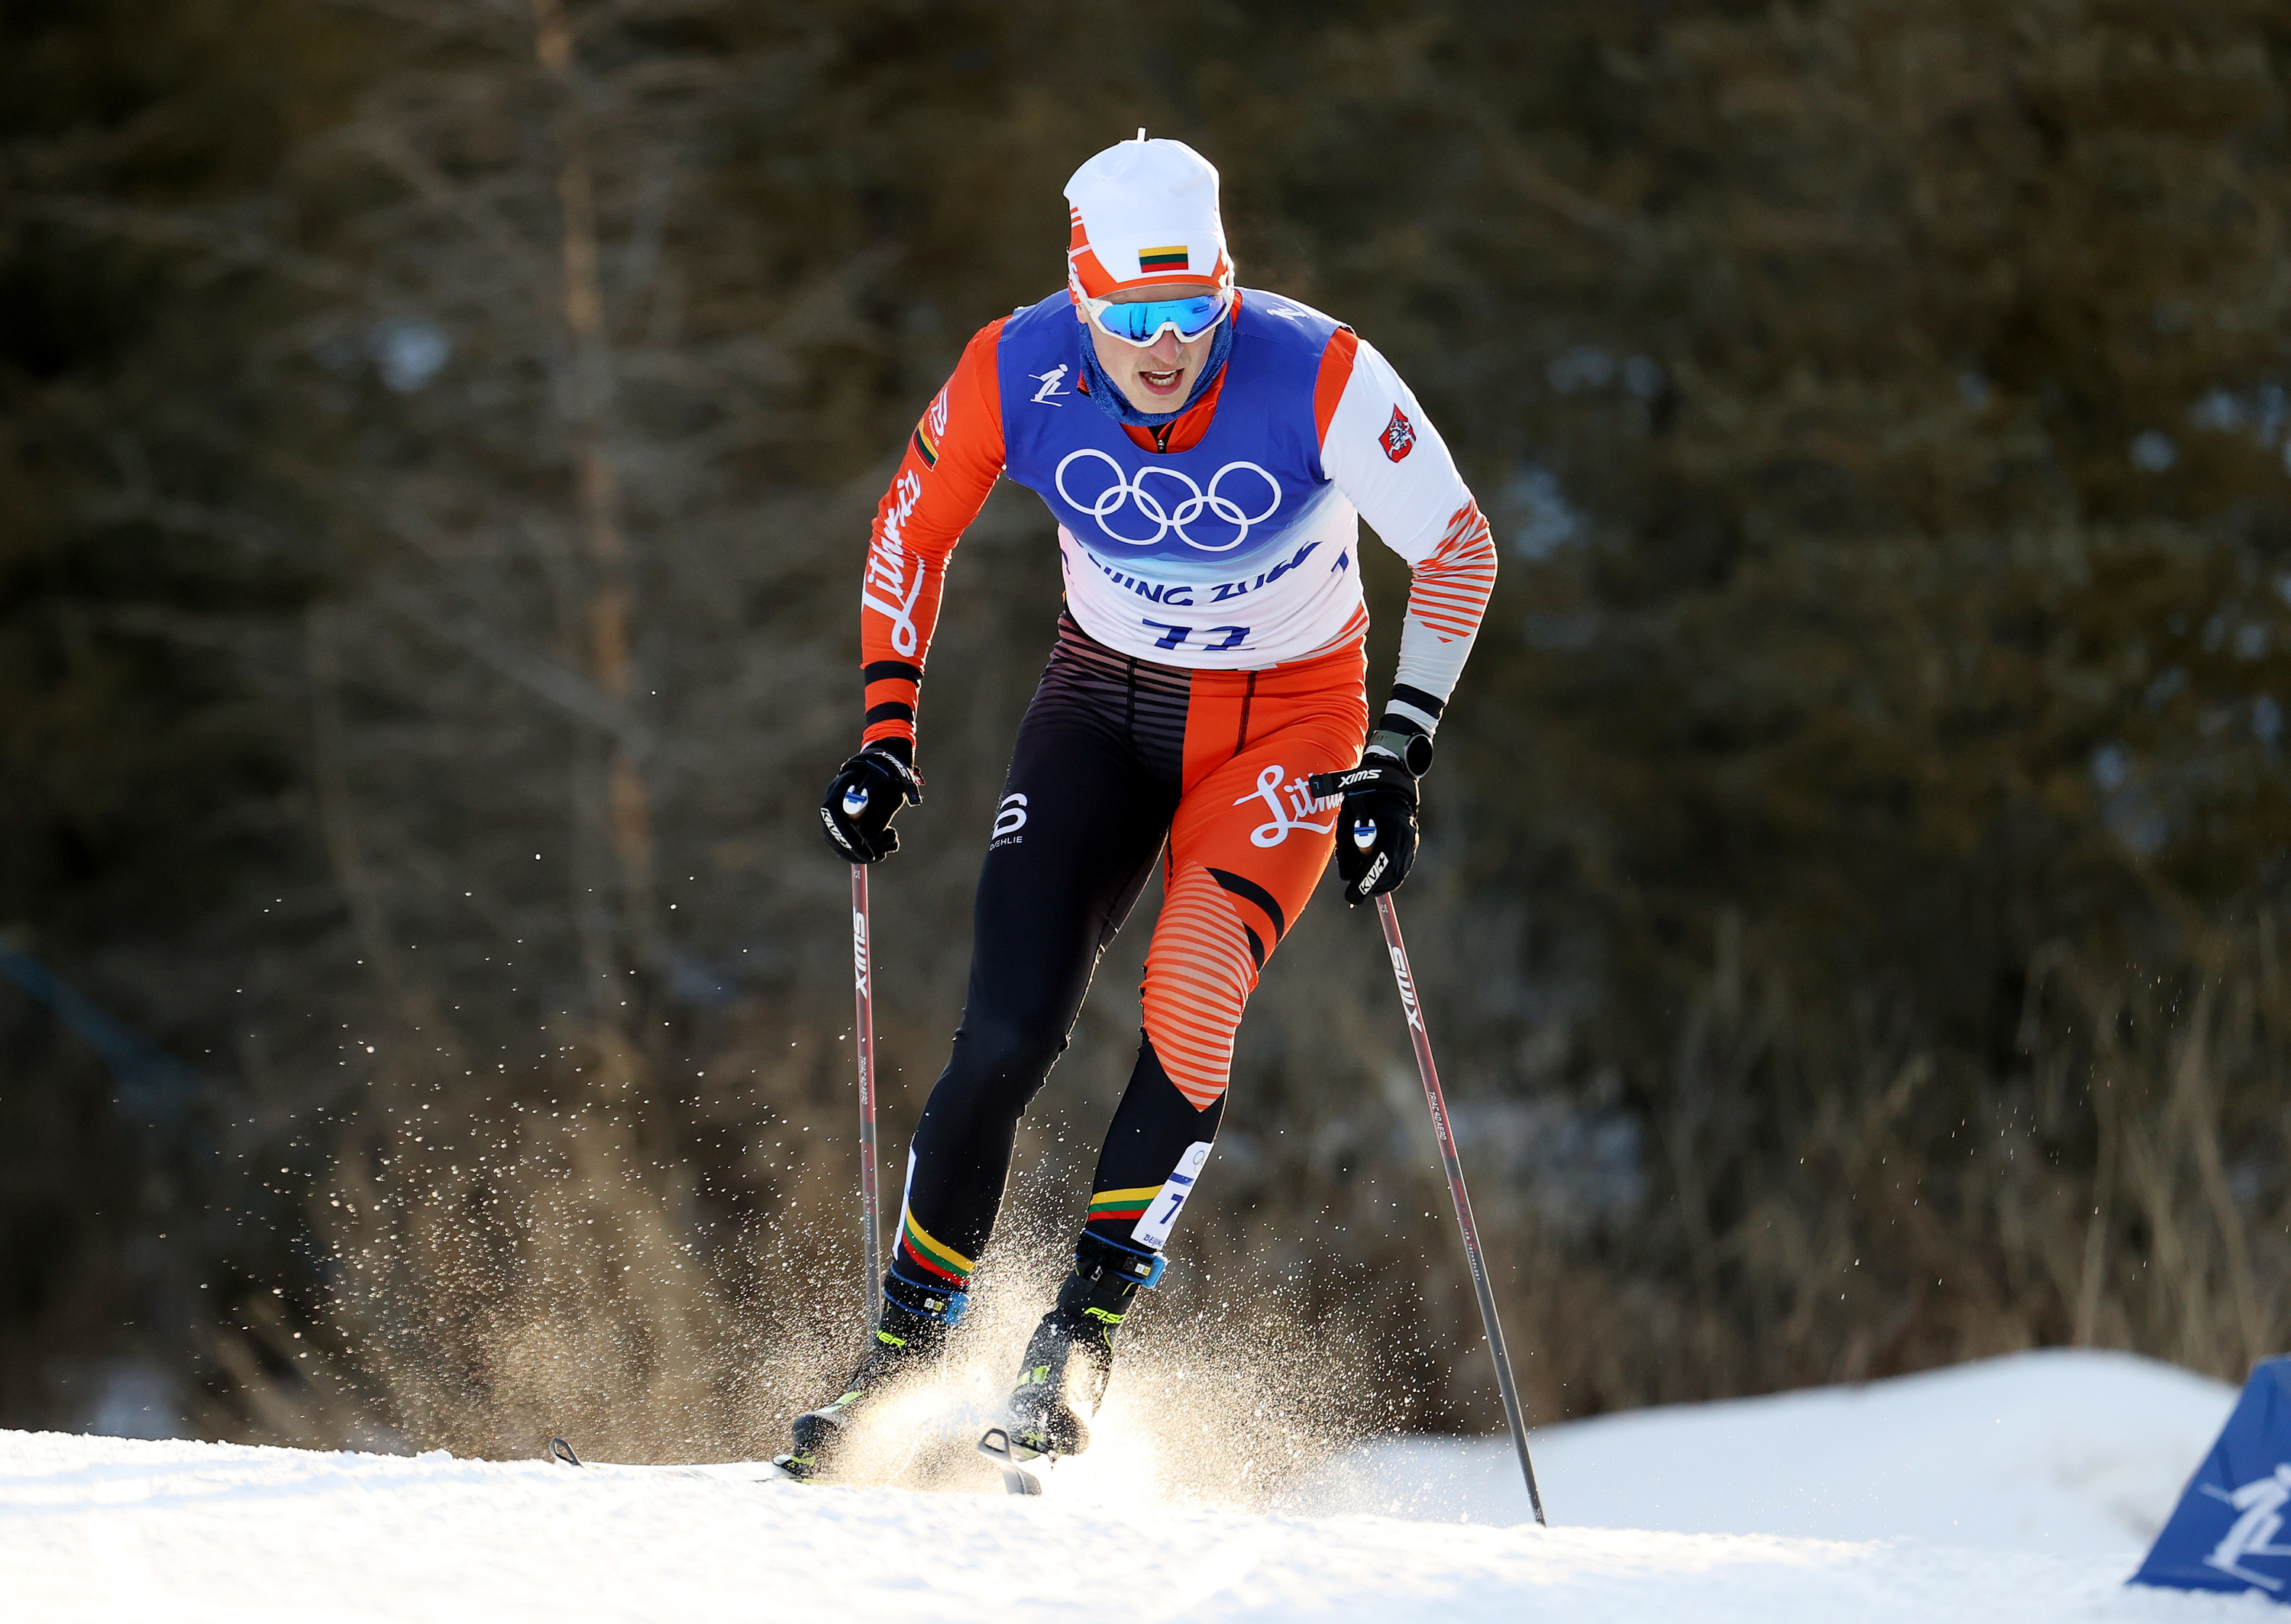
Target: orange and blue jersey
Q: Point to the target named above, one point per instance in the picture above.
(1233, 553)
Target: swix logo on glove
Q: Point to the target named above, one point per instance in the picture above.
(1367, 775)
(1399, 436)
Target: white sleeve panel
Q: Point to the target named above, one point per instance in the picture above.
(1388, 459)
(1383, 453)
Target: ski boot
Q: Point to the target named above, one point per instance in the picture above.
(914, 1330)
(1069, 1361)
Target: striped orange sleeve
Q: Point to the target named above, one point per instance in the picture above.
(1447, 597)
(1448, 592)
(951, 461)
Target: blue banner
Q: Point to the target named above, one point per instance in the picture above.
(2228, 1531)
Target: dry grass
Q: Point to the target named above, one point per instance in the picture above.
(1817, 1208)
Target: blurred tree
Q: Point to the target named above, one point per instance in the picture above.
(439, 441)
(148, 833)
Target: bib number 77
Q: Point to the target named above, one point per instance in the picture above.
(1171, 636)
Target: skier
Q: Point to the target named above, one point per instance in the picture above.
(1207, 451)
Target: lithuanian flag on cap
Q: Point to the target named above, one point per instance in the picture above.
(1175, 258)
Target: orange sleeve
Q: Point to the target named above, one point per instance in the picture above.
(951, 462)
(1336, 371)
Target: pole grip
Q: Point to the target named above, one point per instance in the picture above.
(1437, 1100)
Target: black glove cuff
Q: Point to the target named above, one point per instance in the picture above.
(1413, 750)
(876, 758)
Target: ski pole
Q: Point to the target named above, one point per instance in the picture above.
(864, 1047)
(1438, 1101)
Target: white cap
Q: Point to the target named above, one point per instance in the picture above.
(1145, 211)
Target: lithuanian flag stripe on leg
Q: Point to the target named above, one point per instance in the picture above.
(1122, 1203)
(935, 1255)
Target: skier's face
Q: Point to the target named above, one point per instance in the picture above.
(1158, 377)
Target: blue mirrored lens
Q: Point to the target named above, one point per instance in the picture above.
(1139, 322)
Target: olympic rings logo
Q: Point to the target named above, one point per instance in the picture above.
(1187, 509)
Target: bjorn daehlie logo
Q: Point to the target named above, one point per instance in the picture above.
(1399, 436)
(1009, 817)
(1179, 504)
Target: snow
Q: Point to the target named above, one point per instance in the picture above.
(2019, 1488)
(2069, 1454)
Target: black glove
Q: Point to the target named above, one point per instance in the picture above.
(1376, 830)
(862, 799)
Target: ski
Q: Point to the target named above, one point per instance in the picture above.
(1018, 1477)
(721, 1471)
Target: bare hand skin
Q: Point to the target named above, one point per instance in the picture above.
(1158, 377)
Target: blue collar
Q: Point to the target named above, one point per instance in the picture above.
(1116, 405)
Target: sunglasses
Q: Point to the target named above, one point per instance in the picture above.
(1143, 323)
